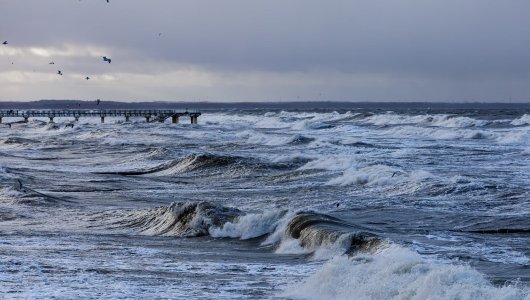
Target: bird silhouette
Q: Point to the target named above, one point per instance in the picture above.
(87, 78)
(59, 72)
(4, 43)
(106, 59)
(51, 63)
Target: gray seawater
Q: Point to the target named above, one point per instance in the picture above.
(268, 205)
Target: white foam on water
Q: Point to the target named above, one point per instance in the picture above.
(395, 272)
(331, 163)
(249, 226)
(440, 120)
(371, 175)
(523, 120)
(521, 136)
(437, 133)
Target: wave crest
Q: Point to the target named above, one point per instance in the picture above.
(179, 219)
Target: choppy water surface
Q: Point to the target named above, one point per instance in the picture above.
(319, 205)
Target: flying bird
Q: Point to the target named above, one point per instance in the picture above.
(87, 78)
(51, 63)
(59, 72)
(106, 59)
(4, 43)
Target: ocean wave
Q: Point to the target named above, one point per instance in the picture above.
(249, 225)
(395, 272)
(188, 219)
(212, 164)
(19, 193)
(193, 162)
(322, 236)
(257, 138)
(514, 137)
(437, 133)
(523, 120)
(19, 141)
(441, 120)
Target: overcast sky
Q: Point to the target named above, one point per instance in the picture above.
(273, 50)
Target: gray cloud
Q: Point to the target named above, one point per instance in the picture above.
(348, 50)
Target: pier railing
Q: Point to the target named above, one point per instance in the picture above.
(149, 114)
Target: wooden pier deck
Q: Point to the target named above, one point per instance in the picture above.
(149, 114)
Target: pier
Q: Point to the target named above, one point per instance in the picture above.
(150, 115)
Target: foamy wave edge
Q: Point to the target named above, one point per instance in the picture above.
(395, 272)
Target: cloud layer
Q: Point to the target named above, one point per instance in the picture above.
(237, 50)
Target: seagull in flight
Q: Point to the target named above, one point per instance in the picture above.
(4, 43)
(106, 59)
(59, 72)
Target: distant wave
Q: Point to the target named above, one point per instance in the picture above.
(523, 120)
(19, 140)
(202, 162)
(502, 231)
(438, 120)
(19, 193)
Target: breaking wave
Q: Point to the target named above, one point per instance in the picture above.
(178, 219)
(321, 235)
(394, 272)
(303, 232)
(524, 120)
(441, 120)
(213, 164)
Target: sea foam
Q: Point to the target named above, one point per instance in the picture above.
(395, 272)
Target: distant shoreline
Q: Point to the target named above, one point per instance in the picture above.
(309, 105)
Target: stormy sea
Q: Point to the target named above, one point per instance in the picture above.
(277, 203)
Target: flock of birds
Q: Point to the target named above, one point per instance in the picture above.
(59, 72)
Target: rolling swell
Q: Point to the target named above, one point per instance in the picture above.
(201, 162)
(314, 231)
(179, 219)
(310, 231)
